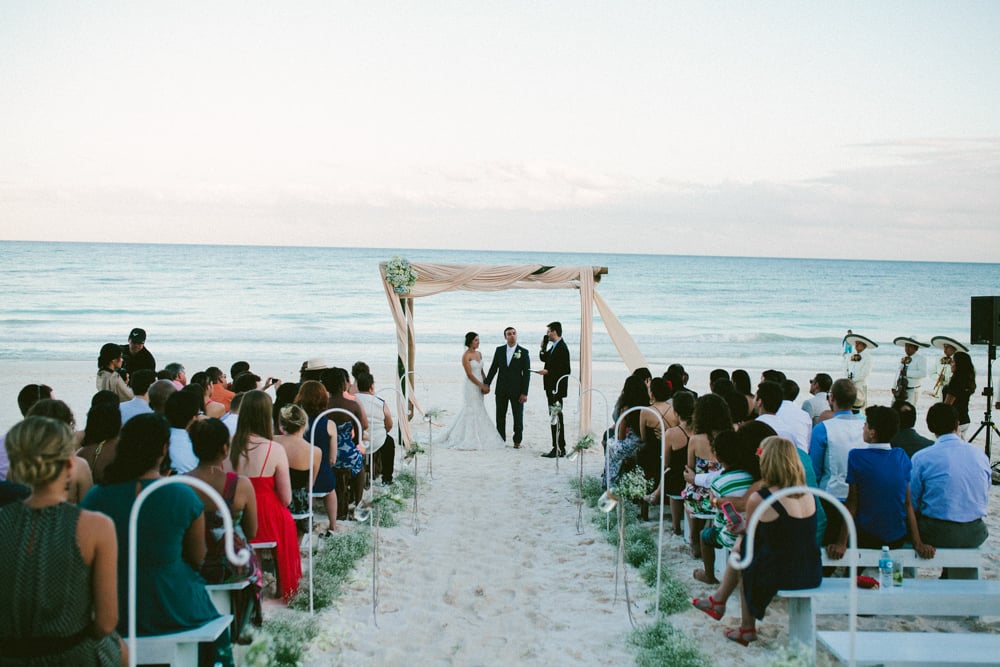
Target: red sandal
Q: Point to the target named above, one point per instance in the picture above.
(741, 636)
(714, 609)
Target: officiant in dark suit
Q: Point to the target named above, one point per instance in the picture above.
(512, 368)
(555, 356)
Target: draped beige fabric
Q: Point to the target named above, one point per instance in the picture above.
(437, 278)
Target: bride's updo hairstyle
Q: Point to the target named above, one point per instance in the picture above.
(39, 448)
(469, 337)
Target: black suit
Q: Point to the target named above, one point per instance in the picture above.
(512, 383)
(556, 360)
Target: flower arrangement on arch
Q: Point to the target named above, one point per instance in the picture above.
(400, 274)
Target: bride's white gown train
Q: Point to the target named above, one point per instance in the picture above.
(472, 428)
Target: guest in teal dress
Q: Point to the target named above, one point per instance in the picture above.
(170, 594)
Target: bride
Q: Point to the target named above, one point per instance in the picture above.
(473, 428)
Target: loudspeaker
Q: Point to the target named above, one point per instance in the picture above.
(985, 326)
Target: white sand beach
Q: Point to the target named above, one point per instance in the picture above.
(499, 575)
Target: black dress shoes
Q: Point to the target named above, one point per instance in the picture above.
(551, 454)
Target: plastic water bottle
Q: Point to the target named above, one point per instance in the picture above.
(885, 570)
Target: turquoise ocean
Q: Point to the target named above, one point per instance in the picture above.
(62, 301)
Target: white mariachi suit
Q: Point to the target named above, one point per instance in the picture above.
(857, 366)
(916, 371)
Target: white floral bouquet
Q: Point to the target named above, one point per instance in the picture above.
(400, 274)
(632, 484)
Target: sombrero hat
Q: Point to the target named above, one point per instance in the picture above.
(907, 340)
(940, 341)
(858, 338)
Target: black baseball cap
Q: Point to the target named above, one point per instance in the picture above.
(137, 335)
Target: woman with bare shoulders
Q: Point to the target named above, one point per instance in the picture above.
(60, 585)
(255, 454)
(294, 421)
(472, 427)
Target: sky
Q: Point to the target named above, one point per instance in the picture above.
(799, 129)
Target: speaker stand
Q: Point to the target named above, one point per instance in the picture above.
(987, 423)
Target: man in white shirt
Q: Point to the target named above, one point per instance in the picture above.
(819, 387)
(383, 447)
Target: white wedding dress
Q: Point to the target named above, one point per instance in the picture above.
(472, 427)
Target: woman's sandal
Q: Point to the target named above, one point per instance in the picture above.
(704, 577)
(708, 605)
(741, 636)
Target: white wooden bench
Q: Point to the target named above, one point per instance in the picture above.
(221, 594)
(916, 597)
(962, 563)
(905, 649)
(179, 648)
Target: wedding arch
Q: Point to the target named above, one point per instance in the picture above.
(405, 281)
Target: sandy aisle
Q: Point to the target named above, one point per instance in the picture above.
(497, 574)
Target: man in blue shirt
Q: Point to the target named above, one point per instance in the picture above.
(950, 485)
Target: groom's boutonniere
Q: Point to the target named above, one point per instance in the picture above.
(517, 354)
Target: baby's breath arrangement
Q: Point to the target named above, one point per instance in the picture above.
(632, 484)
(401, 275)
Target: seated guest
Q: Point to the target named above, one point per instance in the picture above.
(651, 429)
(301, 456)
(100, 438)
(28, 396)
(711, 417)
(313, 398)
(769, 400)
(171, 539)
(283, 395)
(232, 418)
(800, 423)
(785, 553)
(350, 464)
(211, 408)
(81, 478)
(159, 392)
(741, 381)
(140, 381)
(950, 485)
(380, 418)
(108, 363)
(675, 457)
(176, 373)
(59, 590)
(878, 478)
(181, 411)
(257, 456)
(235, 370)
(831, 442)
(220, 393)
(819, 402)
(627, 443)
(211, 445)
(907, 437)
(740, 469)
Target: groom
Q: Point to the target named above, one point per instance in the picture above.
(512, 366)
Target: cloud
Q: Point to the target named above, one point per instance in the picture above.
(919, 199)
